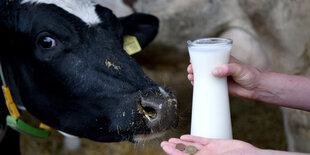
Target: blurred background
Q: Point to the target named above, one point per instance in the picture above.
(273, 35)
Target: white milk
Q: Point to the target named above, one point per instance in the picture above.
(210, 110)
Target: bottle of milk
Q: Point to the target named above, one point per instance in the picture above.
(210, 108)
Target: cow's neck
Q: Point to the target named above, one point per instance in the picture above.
(13, 119)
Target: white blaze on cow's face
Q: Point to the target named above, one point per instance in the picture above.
(83, 9)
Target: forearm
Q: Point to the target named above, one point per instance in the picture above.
(284, 90)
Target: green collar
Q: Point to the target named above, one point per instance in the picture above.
(14, 121)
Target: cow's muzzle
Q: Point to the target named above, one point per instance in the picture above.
(159, 107)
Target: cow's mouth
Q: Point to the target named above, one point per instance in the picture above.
(148, 137)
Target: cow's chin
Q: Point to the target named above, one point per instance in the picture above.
(148, 137)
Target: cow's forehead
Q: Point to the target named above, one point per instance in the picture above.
(84, 9)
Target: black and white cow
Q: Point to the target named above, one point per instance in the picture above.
(64, 62)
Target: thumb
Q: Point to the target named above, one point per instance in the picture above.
(246, 76)
(232, 69)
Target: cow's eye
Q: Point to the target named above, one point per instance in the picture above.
(47, 42)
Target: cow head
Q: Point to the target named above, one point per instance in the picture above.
(64, 61)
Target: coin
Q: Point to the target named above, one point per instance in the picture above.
(180, 146)
(190, 149)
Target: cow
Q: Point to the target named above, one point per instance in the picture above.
(64, 62)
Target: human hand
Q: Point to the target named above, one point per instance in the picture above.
(206, 146)
(243, 79)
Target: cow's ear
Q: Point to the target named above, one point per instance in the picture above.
(143, 26)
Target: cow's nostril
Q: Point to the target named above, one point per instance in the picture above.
(158, 111)
(150, 112)
(149, 109)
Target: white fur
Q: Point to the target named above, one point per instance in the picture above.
(84, 9)
(163, 92)
(70, 142)
(118, 7)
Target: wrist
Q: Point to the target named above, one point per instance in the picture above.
(259, 85)
(263, 90)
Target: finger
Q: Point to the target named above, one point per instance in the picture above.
(190, 69)
(169, 148)
(167, 144)
(190, 77)
(195, 139)
(177, 141)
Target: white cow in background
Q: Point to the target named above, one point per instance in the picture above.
(235, 26)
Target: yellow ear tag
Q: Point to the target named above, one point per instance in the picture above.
(131, 45)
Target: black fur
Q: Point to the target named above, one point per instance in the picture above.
(86, 85)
